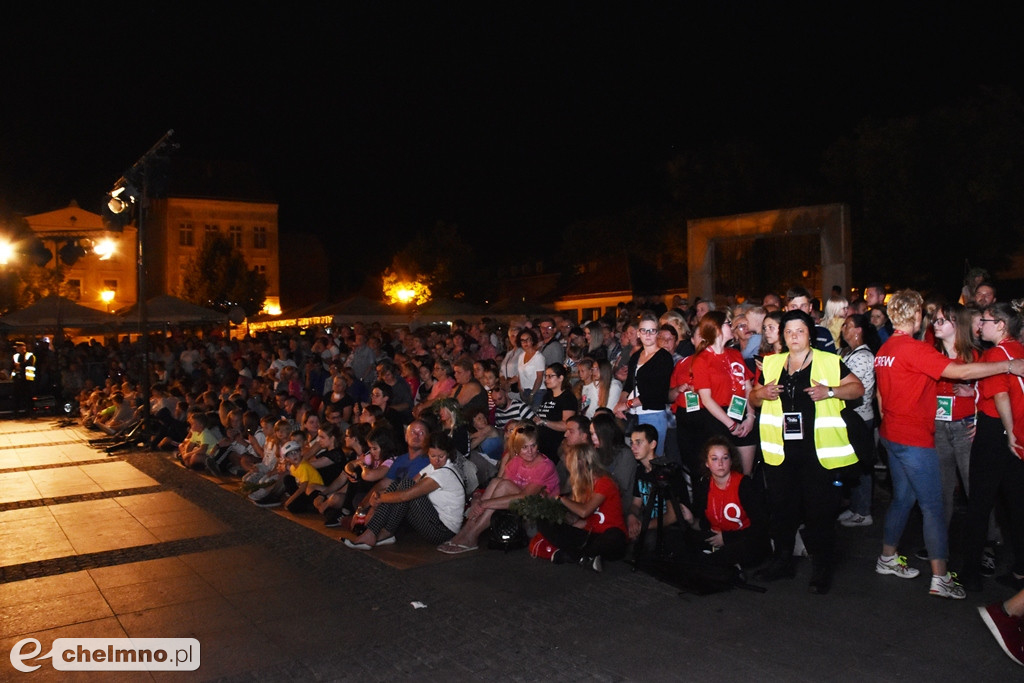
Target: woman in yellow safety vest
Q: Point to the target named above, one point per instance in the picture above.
(803, 439)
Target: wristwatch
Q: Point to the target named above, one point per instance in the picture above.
(831, 393)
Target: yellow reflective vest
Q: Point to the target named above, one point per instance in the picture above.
(831, 441)
(28, 366)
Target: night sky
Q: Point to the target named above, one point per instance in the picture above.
(372, 121)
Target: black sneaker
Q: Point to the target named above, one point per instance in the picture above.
(272, 503)
(922, 554)
(821, 578)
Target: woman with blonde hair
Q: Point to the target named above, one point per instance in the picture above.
(834, 316)
(907, 372)
(599, 530)
(525, 472)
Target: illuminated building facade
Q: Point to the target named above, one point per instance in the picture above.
(106, 283)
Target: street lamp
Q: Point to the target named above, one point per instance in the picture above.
(106, 296)
(6, 252)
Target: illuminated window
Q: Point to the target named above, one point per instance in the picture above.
(235, 235)
(186, 235)
(259, 237)
(110, 284)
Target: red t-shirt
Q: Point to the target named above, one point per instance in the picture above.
(990, 386)
(907, 373)
(608, 515)
(963, 406)
(681, 374)
(724, 511)
(724, 374)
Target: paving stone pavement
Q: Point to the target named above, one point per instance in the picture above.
(156, 551)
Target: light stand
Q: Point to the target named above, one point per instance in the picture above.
(122, 198)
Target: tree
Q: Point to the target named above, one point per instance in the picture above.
(22, 281)
(442, 260)
(219, 278)
(932, 190)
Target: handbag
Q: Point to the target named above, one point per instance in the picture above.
(507, 531)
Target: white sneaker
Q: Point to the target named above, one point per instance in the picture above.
(857, 520)
(947, 587)
(845, 515)
(897, 566)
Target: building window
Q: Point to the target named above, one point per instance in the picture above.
(259, 237)
(186, 235)
(235, 235)
(73, 289)
(211, 232)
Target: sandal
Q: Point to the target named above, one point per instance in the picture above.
(455, 548)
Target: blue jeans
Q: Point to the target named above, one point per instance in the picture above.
(659, 421)
(916, 479)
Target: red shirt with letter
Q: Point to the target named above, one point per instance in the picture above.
(907, 373)
(608, 514)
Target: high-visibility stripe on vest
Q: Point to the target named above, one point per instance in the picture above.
(28, 371)
(831, 442)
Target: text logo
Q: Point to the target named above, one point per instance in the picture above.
(110, 654)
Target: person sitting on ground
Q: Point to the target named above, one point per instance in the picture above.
(486, 445)
(264, 474)
(432, 502)
(644, 443)
(507, 408)
(526, 472)
(613, 455)
(599, 531)
(729, 514)
(301, 475)
(200, 444)
(122, 415)
(405, 466)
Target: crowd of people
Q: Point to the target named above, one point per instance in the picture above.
(772, 413)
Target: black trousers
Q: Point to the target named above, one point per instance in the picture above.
(22, 394)
(577, 543)
(801, 490)
(996, 475)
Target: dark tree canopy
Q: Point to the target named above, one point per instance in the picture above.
(934, 191)
(218, 277)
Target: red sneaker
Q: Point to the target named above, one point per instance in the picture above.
(1008, 631)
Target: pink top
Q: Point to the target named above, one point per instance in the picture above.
(441, 388)
(541, 471)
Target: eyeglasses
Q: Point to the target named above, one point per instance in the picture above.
(644, 330)
(988, 320)
(939, 321)
(549, 376)
(525, 340)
